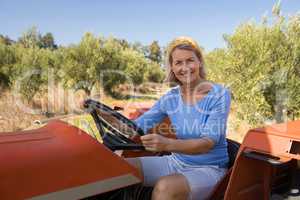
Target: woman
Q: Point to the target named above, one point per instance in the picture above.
(198, 110)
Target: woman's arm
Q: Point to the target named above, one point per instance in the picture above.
(214, 129)
(153, 116)
(156, 142)
(190, 146)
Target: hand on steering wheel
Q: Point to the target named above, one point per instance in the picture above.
(155, 142)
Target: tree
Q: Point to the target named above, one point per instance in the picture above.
(6, 40)
(7, 60)
(30, 72)
(154, 73)
(215, 62)
(123, 43)
(81, 62)
(47, 41)
(260, 64)
(155, 52)
(135, 66)
(30, 38)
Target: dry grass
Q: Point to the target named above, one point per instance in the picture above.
(236, 129)
(12, 117)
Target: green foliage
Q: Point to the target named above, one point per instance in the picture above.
(261, 65)
(30, 38)
(155, 73)
(111, 72)
(109, 62)
(31, 70)
(8, 59)
(47, 41)
(31, 63)
(135, 66)
(78, 70)
(6, 40)
(155, 52)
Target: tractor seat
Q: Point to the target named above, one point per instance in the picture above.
(219, 191)
(232, 149)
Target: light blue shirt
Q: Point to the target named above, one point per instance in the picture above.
(206, 118)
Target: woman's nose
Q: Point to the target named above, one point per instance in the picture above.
(186, 66)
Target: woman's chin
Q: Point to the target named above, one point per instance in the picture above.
(186, 81)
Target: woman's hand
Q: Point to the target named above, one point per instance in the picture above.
(156, 142)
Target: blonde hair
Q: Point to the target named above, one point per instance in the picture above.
(185, 43)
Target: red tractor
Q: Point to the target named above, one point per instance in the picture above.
(60, 161)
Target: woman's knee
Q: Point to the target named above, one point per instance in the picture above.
(162, 185)
(172, 186)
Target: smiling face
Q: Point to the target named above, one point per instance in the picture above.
(185, 66)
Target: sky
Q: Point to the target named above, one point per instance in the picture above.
(136, 20)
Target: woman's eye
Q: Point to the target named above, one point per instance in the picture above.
(177, 63)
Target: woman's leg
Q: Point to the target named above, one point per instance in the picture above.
(171, 187)
(158, 173)
(202, 180)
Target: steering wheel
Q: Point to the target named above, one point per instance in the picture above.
(113, 127)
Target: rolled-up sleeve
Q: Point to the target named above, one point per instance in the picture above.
(216, 124)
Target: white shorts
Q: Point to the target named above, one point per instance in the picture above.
(201, 178)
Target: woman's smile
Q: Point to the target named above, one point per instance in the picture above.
(185, 66)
